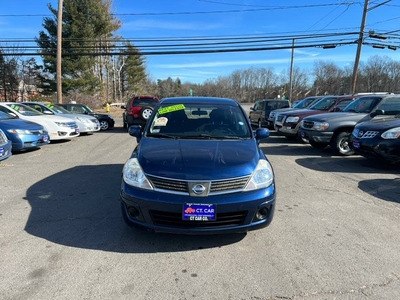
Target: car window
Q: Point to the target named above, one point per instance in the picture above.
(145, 102)
(362, 105)
(342, 104)
(199, 121)
(391, 106)
(24, 109)
(324, 103)
(282, 104)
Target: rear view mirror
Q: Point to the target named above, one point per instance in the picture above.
(199, 113)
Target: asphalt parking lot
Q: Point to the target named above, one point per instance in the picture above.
(335, 234)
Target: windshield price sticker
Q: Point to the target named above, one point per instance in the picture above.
(198, 212)
(171, 108)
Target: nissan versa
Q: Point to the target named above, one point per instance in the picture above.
(198, 169)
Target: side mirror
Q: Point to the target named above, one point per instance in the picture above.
(123, 106)
(252, 108)
(136, 131)
(261, 133)
(336, 109)
(377, 113)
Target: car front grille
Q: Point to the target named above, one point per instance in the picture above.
(170, 219)
(307, 124)
(364, 135)
(217, 187)
(279, 119)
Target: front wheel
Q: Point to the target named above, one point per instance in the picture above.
(340, 144)
(104, 125)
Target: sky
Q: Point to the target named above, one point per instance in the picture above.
(243, 20)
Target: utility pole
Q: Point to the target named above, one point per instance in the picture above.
(291, 73)
(359, 46)
(361, 40)
(59, 50)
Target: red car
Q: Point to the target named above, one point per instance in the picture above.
(138, 110)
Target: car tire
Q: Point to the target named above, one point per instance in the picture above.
(104, 125)
(146, 112)
(317, 145)
(340, 144)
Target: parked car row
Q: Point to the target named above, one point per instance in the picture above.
(367, 124)
(29, 125)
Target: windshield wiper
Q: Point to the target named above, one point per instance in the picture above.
(161, 135)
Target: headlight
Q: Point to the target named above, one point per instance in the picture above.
(19, 131)
(321, 126)
(292, 119)
(62, 124)
(272, 114)
(134, 176)
(262, 176)
(391, 134)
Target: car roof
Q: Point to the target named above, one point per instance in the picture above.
(206, 100)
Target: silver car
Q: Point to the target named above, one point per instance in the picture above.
(87, 124)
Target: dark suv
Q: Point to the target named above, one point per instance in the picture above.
(138, 110)
(260, 112)
(106, 121)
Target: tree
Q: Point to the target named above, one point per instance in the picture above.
(87, 27)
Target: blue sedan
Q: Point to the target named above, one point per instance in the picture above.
(24, 135)
(198, 169)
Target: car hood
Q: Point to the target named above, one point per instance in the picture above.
(380, 123)
(342, 116)
(303, 112)
(198, 160)
(19, 124)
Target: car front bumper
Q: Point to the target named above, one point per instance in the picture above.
(383, 150)
(162, 212)
(319, 137)
(27, 142)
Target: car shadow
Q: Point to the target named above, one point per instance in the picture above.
(347, 164)
(385, 189)
(80, 207)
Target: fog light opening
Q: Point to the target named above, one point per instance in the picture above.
(133, 212)
(262, 213)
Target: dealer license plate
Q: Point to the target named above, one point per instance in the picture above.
(356, 144)
(199, 212)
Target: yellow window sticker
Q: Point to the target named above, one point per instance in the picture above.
(161, 121)
(171, 108)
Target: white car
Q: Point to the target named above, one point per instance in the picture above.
(59, 128)
(86, 123)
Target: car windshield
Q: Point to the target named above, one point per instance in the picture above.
(362, 105)
(24, 109)
(304, 103)
(58, 109)
(4, 116)
(324, 104)
(199, 121)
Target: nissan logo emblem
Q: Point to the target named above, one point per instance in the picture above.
(198, 189)
(360, 133)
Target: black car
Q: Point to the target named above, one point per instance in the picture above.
(138, 110)
(378, 139)
(106, 121)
